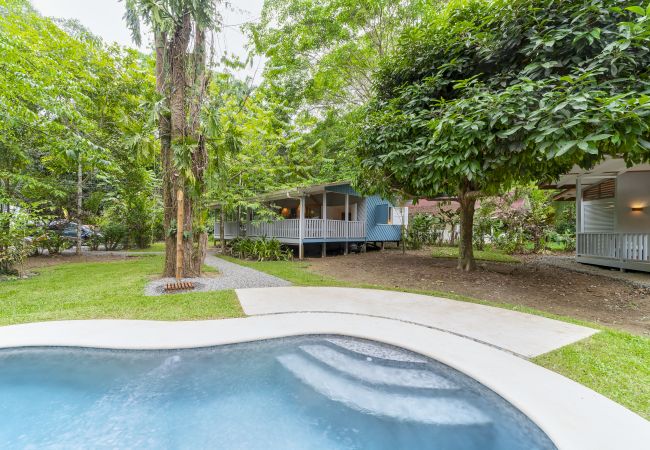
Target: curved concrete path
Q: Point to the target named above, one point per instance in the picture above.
(573, 416)
(523, 334)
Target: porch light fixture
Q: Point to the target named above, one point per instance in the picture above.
(637, 208)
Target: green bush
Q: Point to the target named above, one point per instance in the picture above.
(422, 231)
(113, 234)
(566, 240)
(260, 249)
(54, 243)
(95, 241)
(15, 242)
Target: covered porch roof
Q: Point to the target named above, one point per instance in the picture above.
(608, 168)
(295, 192)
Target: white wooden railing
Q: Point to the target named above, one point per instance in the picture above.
(313, 228)
(357, 229)
(290, 229)
(622, 246)
(230, 230)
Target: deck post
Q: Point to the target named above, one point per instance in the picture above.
(324, 214)
(347, 223)
(578, 213)
(301, 229)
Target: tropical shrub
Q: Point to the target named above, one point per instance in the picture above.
(262, 249)
(421, 231)
(53, 242)
(486, 223)
(113, 234)
(95, 241)
(15, 241)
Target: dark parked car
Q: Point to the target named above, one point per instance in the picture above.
(68, 229)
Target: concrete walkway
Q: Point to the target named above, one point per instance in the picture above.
(519, 333)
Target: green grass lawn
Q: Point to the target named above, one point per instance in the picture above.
(103, 290)
(155, 247)
(613, 363)
(480, 255)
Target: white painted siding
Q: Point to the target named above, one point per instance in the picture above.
(633, 190)
(599, 216)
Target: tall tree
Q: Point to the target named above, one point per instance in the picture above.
(180, 29)
(324, 53)
(68, 101)
(484, 94)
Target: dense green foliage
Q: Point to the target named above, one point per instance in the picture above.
(260, 249)
(484, 94)
(70, 102)
(422, 230)
(325, 52)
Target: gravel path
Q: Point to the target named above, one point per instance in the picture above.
(231, 276)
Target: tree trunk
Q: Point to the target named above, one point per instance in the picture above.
(181, 80)
(79, 203)
(222, 231)
(467, 202)
(167, 162)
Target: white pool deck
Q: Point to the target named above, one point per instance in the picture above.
(523, 334)
(573, 416)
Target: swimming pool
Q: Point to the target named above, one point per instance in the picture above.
(311, 392)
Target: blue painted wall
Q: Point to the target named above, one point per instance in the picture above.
(375, 210)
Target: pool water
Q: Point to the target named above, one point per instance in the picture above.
(295, 393)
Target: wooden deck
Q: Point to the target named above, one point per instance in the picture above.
(289, 230)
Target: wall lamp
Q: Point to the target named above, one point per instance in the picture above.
(637, 208)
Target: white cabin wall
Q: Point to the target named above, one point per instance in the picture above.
(633, 190)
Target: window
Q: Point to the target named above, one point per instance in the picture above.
(398, 216)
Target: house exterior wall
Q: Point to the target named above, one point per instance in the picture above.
(371, 209)
(633, 190)
(376, 227)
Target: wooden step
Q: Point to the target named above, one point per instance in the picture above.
(179, 286)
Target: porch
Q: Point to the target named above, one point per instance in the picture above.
(620, 250)
(612, 214)
(320, 214)
(288, 231)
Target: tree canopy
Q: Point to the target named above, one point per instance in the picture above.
(484, 94)
(68, 100)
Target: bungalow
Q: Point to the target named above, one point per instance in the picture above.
(612, 213)
(321, 214)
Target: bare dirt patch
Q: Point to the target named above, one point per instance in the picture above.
(583, 296)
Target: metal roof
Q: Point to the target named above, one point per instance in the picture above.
(295, 192)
